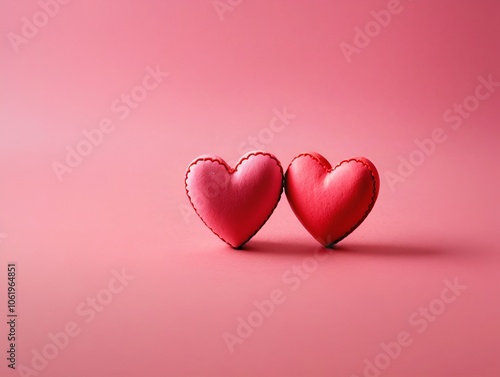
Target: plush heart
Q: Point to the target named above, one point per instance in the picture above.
(331, 203)
(235, 203)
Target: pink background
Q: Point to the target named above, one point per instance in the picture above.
(124, 206)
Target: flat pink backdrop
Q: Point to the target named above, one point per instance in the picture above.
(124, 205)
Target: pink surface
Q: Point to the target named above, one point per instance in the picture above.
(106, 103)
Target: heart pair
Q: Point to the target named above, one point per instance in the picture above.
(236, 202)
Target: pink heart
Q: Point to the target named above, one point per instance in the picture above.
(235, 203)
(331, 203)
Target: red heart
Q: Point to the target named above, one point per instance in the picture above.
(331, 203)
(235, 203)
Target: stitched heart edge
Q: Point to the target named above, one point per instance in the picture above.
(328, 169)
(231, 171)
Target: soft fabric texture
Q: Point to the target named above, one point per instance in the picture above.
(331, 203)
(235, 203)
